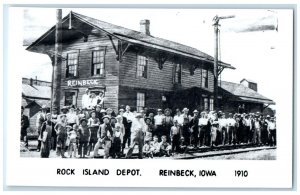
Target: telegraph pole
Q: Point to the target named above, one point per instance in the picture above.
(56, 79)
(216, 25)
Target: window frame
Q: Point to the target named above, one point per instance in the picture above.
(211, 104)
(76, 96)
(140, 103)
(144, 72)
(204, 78)
(177, 78)
(76, 72)
(93, 64)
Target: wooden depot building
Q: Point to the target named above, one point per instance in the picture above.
(131, 67)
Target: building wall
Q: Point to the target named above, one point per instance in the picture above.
(109, 83)
(161, 79)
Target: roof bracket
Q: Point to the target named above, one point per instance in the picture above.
(160, 59)
(220, 69)
(113, 44)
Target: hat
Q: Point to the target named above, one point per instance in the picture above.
(168, 109)
(121, 110)
(119, 117)
(109, 109)
(106, 116)
(195, 111)
(185, 109)
(230, 114)
(203, 112)
(69, 126)
(83, 120)
(102, 111)
(138, 115)
(22, 107)
(159, 110)
(93, 111)
(268, 116)
(44, 107)
(65, 108)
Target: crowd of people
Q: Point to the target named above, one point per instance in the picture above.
(82, 132)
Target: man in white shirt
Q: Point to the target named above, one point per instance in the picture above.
(85, 102)
(178, 117)
(223, 128)
(272, 132)
(158, 123)
(231, 129)
(130, 117)
(203, 125)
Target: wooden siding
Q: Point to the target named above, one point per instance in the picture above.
(109, 81)
(156, 78)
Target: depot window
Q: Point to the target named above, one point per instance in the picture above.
(142, 63)
(98, 63)
(204, 78)
(72, 65)
(211, 104)
(140, 103)
(71, 98)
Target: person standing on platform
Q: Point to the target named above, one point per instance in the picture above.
(167, 123)
(231, 129)
(104, 135)
(41, 118)
(46, 135)
(84, 138)
(85, 102)
(24, 125)
(61, 132)
(72, 117)
(137, 136)
(93, 124)
(272, 132)
(223, 129)
(158, 123)
(203, 125)
(130, 117)
(195, 128)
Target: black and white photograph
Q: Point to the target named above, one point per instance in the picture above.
(102, 90)
(184, 97)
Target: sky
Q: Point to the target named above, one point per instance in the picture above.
(252, 41)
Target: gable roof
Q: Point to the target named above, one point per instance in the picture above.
(244, 93)
(134, 37)
(250, 81)
(36, 92)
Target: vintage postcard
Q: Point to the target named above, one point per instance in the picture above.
(169, 97)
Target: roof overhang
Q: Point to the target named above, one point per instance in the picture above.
(257, 100)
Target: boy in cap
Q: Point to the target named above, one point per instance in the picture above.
(175, 135)
(165, 147)
(84, 138)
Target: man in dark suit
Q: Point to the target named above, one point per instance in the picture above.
(24, 125)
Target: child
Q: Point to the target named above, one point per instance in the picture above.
(147, 149)
(155, 146)
(84, 138)
(117, 140)
(182, 146)
(148, 129)
(165, 147)
(72, 135)
(175, 136)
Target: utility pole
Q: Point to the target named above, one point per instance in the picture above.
(56, 79)
(216, 25)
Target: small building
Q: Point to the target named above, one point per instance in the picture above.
(236, 97)
(131, 67)
(35, 94)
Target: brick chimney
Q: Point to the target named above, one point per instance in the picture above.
(145, 26)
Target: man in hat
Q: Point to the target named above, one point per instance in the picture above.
(129, 118)
(247, 129)
(137, 135)
(84, 138)
(203, 125)
(167, 123)
(105, 136)
(61, 133)
(257, 131)
(185, 113)
(264, 129)
(231, 129)
(272, 131)
(41, 118)
(24, 125)
(158, 123)
(195, 128)
(46, 135)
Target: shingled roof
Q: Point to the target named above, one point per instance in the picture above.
(36, 92)
(134, 37)
(244, 93)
